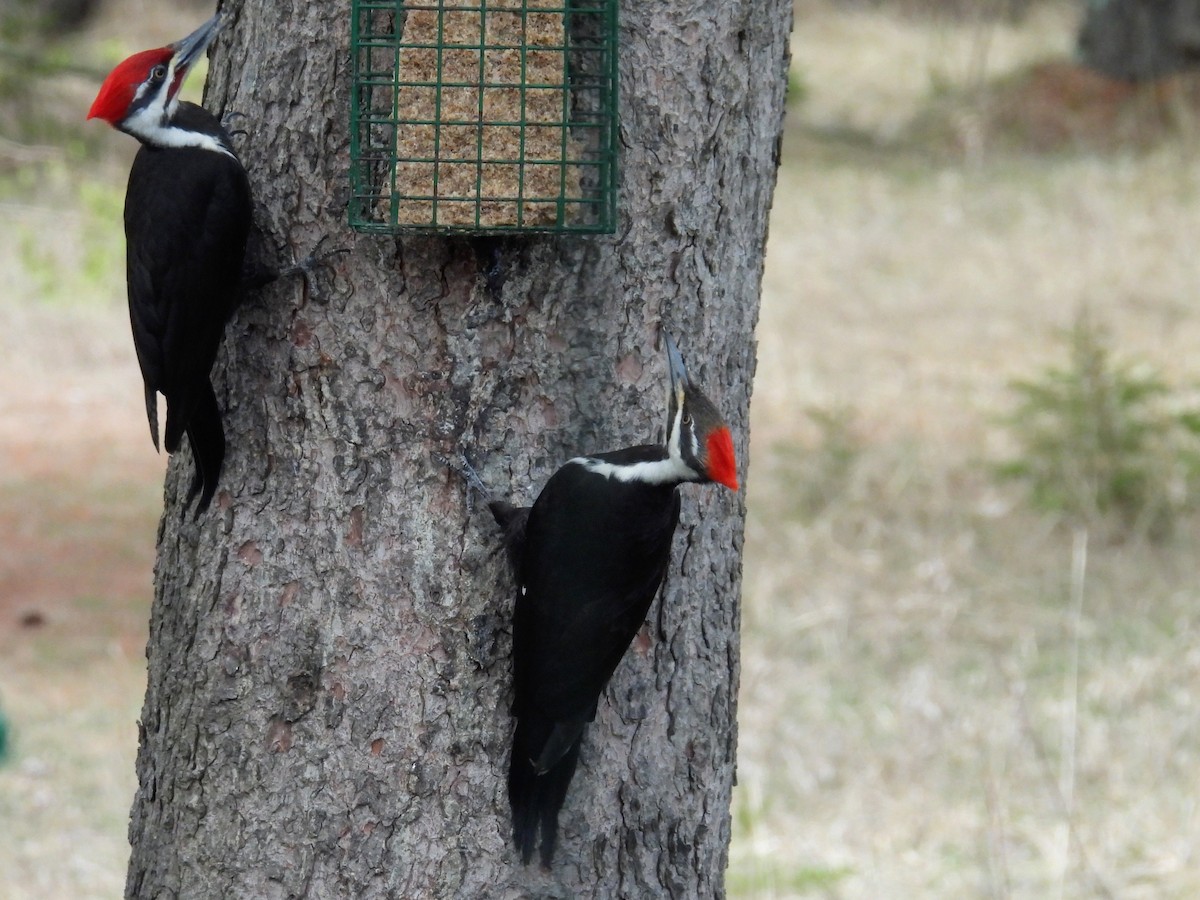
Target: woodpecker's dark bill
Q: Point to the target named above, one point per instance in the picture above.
(589, 557)
(187, 218)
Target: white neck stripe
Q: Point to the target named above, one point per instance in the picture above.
(150, 125)
(173, 136)
(660, 471)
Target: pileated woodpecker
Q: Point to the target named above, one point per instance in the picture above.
(187, 218)
(589, 557)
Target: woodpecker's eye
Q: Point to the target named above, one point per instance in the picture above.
(687, 418)
(158, 73)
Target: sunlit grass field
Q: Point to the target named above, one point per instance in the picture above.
(946, 691)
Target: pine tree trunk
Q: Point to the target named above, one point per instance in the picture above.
(327, 708)
(1141, 40)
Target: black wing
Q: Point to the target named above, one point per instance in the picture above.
(592, 553)
(596, 552)
(187, 218)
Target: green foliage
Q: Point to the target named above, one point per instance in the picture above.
(822, 474)
(102, 242)
(82, 260)
(773, 879)
(38, 264)
(1104, 439)
(797, 87)
(765, 876)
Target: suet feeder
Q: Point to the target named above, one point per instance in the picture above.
(492, 116)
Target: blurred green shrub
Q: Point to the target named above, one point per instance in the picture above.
(819, 474)
(1104, 439)
(797, 86)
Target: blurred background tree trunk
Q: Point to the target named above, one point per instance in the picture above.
(327, 708)
(1140, 40)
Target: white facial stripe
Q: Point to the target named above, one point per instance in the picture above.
(673, 447)
(167, 82)
(173, 105)
(659, 471)
(155, 105)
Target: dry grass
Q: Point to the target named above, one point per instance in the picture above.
(932, 705)
(80, 488)
(72, 702)
(943, 695)
(874, 72)
(79, 496)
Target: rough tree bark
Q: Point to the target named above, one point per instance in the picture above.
(326, 714)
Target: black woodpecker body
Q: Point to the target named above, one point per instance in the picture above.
(589, 557)
(187, 219)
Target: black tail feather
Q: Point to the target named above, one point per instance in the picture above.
(152, 413)
(207, 438)
(179, 412)
(512, 521)
(536, 798)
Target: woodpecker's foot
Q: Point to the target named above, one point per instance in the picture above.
(475, 484)
(227, 121)
(257, 274)
(308, 266)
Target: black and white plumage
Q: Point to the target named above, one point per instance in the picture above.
(188, 214)
(589, 557)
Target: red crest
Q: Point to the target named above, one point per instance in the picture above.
(722, 465)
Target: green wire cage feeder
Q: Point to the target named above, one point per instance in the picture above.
(484, 116)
